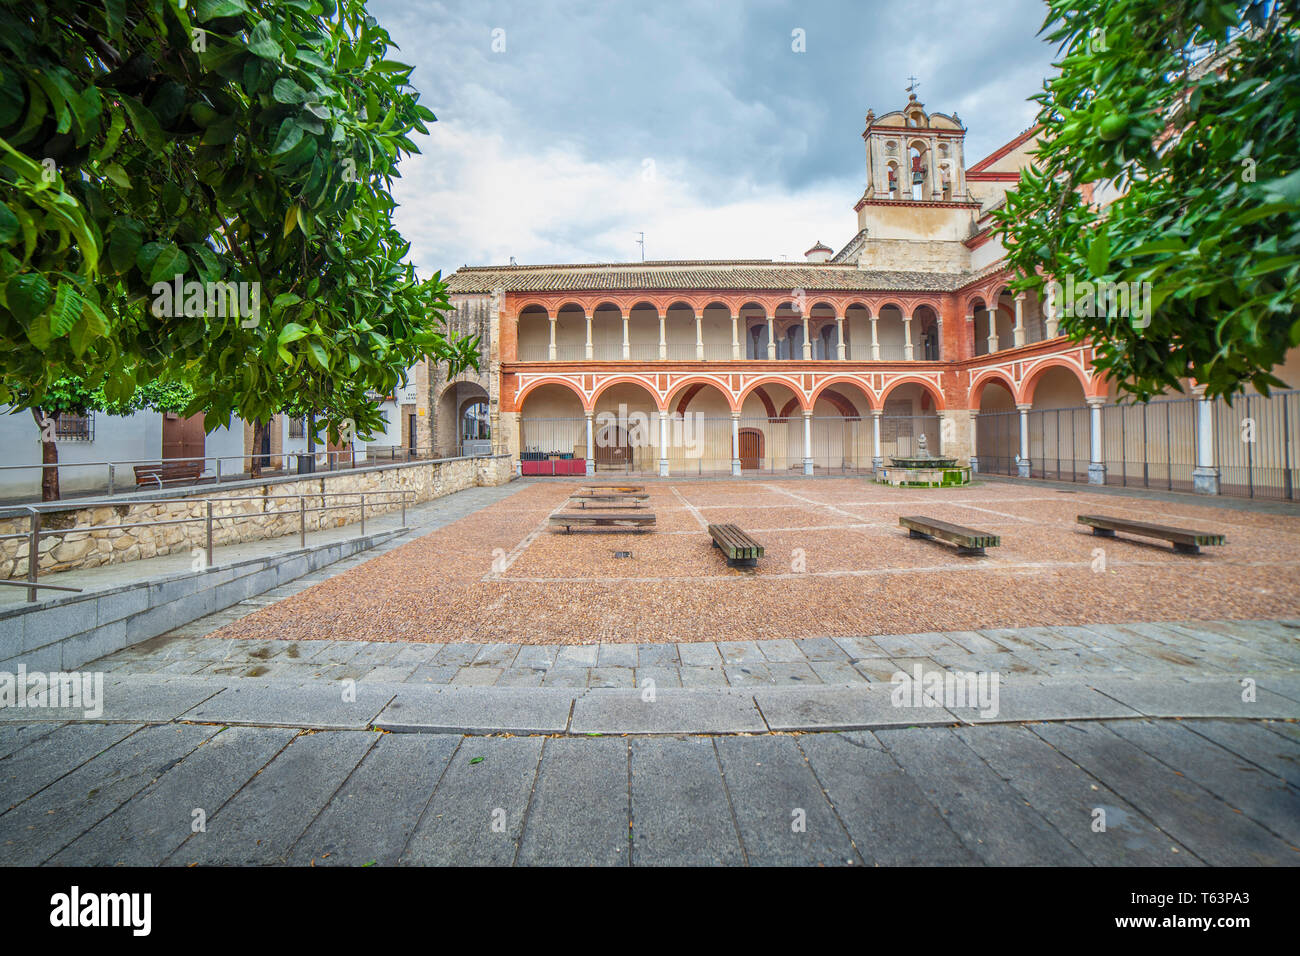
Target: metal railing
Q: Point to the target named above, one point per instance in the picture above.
(319, 461)
(35, 532)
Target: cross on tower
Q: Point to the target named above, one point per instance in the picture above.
(913, 84)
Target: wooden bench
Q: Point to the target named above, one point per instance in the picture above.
(610, 490)
(1184, 540)
(167, 472)
(610, 500)
(967, 540)
(603, 519)
(741, 550)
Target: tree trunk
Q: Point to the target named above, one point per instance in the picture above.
(49, 456)
(255, 463)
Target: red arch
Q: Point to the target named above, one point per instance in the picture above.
(982, 379)
(630, 380)
(929, 386)
(843, 380)
(754, 386)
(695, 383)
(538, 383)
(1030, 381)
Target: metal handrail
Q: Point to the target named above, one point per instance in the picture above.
(35, 532)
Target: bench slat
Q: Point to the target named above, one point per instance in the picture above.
(967, 538)
(734, 543)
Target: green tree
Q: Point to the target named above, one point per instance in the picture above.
(239, 152)
(1190, 110)
(71, 396)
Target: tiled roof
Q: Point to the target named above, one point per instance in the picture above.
(724, 274)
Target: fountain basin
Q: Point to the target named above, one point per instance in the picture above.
(924, 473)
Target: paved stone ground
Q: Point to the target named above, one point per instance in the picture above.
(1178, 793)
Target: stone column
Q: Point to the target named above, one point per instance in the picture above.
(807, 443)
(550, 349)
(1205, 476)
(974, 442)
(875, 339)
(627, 343)
(877, 462)
(591, 446)
(735, 337)
(771, 338)
(663, 337)
(1096, 464)
(699, 338)
(1022, 466)
(663, 444)
(993, 330)
(1019, 334)
(735, 444)
(907, 338)
(839, 338)
(589, 352)
(807, 342)
(1051, 321)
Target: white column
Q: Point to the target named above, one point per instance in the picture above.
(875, 339)
(627, 345)
(1205, 476)
(735, 444)
(589, 352)
(735, 337)
(1096, 466)
(591, 446)
(550, 349)
(993, 330)
(807, 342)
(663, 444)
(1051, 322)
(1022, 466)
(663, 337)
(699, 337)
(839, 338)
(1020, 320)
(807, 443)
(974, 442)
(907, 337)
(771, 338)
(877, 462)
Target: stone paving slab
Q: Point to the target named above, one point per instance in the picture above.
(864, 707)
(1177, 698)
(524, 710)
(721, 711)
(320, 705)
(129, 699)
(1051, 700)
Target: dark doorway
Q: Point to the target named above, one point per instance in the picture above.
(411, 432)
(612, 448)
(183, 437)
(751, 448)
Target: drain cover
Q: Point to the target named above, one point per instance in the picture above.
(622, 554)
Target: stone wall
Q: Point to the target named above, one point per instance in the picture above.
(91, 535)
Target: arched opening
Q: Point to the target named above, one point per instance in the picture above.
(533, 333)
(823, 332)
(642, 333)
(1004, 321)
(715, 326)
(842, 429)
(774, 410)
(997, 427)
(570, 333)
(680, 325)
(789, 333)
(889, 332)
(1057, 424)
(552, 432)
(606, 332)
(462, 425)
(926, 346)
(910, 410)
(625, 429)
(979, 311)
(857, 332)
(699, 429)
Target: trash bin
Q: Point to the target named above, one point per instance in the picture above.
(306, 464)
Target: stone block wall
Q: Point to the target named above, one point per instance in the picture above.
(92, 535)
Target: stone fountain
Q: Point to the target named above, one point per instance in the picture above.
(923, 470)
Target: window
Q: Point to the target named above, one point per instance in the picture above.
(69, 427)
(296, 427)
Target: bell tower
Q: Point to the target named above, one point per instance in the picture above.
(915, 156)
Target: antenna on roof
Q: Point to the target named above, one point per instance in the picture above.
(512, 261)
(641, 242)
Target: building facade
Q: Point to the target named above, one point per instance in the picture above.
(831, 365)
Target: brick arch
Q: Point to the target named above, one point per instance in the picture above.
(843, 380)
(767, 402)
(982, 379)
(1091, 389)
(524, 392)
(843, 404)
(693, 385)
(936, 393)
(789, 383)
(645, 386)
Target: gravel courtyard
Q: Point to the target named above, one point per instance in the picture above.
(837, 565)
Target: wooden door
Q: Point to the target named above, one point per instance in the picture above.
(751, 447)
(183, 437)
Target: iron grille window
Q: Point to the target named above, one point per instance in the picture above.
(75, 427)
(296, 427)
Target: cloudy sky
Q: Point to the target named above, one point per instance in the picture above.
(565, 129)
